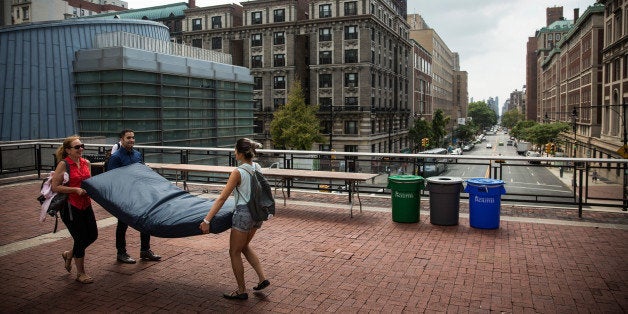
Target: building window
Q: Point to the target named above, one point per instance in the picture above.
(256, 17)
(216, 22)
(351, 8)
(324, 80)
(197, 42)
(324, 57)
(278, 102)
(216, 42)
(352, 149)
(351, 56)
(279, 82)
(324, 10)
(324, 34)
(279, 15)
(256, 40)
(279, 60)
(257, 104)
(351, 32)
(258, 126)
(197, 24)
(351, 79)
(256, 61)
(325, 103)
(279, 38)
(25, 13)
(351, 103)
(351, 127)
(257, 83)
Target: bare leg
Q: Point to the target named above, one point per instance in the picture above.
(251, 257)
(237, 243)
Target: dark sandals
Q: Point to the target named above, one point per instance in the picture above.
(262, 285)
(234, 295)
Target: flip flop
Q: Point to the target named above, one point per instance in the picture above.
(68, 261)
(262, 285)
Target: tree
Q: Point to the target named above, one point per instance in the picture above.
(541, 134)
(421, 129)
(520, 129)
(511, 117)
(295, 124)
(482, 115)
(466, 133)
(439, 121)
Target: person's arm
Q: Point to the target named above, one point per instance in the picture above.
(234, 180)
(114, 162)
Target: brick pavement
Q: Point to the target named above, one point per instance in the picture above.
(540, 260)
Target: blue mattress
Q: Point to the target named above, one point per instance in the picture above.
(146, 201)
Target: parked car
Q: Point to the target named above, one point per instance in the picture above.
(489, 145)
(501, 143)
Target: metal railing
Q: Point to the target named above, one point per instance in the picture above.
(32, 158)
(117, 39)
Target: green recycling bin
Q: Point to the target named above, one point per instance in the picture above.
(406, 197)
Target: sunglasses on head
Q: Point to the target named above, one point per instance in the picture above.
(78, 146)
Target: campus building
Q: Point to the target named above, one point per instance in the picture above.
(95, 77)
(15, 12)
(353, 58)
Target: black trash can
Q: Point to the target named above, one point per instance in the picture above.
(444, 200)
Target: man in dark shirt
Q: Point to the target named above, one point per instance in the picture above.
(125, 156)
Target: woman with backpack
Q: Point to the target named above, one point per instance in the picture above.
(243, 226)
(78, 216)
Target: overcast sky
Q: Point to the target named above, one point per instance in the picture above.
(489, 35)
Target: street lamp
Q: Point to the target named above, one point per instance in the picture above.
(574, 116)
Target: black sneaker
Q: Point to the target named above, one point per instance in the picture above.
(149, 256)
(125, 258)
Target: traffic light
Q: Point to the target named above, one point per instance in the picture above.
(553, 148)
(548, 148)
(424, 142)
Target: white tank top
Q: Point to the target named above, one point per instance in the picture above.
(244, 188)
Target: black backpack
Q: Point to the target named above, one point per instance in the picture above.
(107, 156)
(261, 204)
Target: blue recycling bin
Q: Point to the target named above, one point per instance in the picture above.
(484, 202)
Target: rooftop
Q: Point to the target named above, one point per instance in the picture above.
(317, 258)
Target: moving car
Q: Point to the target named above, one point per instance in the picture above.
(533, 154)
(489, 145)
(509, 143)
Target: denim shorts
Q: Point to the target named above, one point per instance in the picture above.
(242, 220)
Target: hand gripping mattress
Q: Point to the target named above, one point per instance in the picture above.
(146, 201)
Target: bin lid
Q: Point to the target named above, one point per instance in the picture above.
(485, 182)
(405, 178)
(444, 180)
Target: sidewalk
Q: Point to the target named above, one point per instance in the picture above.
(318, 259)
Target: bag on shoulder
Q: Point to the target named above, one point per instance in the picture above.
(261, 204)
(51, 202)
(108, 155)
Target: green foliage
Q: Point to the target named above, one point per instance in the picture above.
(539, 134)
(466, 133)
(421, 129)
(295, 124)
(439, 122)
(511, 117)
(482, 115)
(519, 131)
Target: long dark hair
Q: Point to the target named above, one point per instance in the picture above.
(247, 147)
